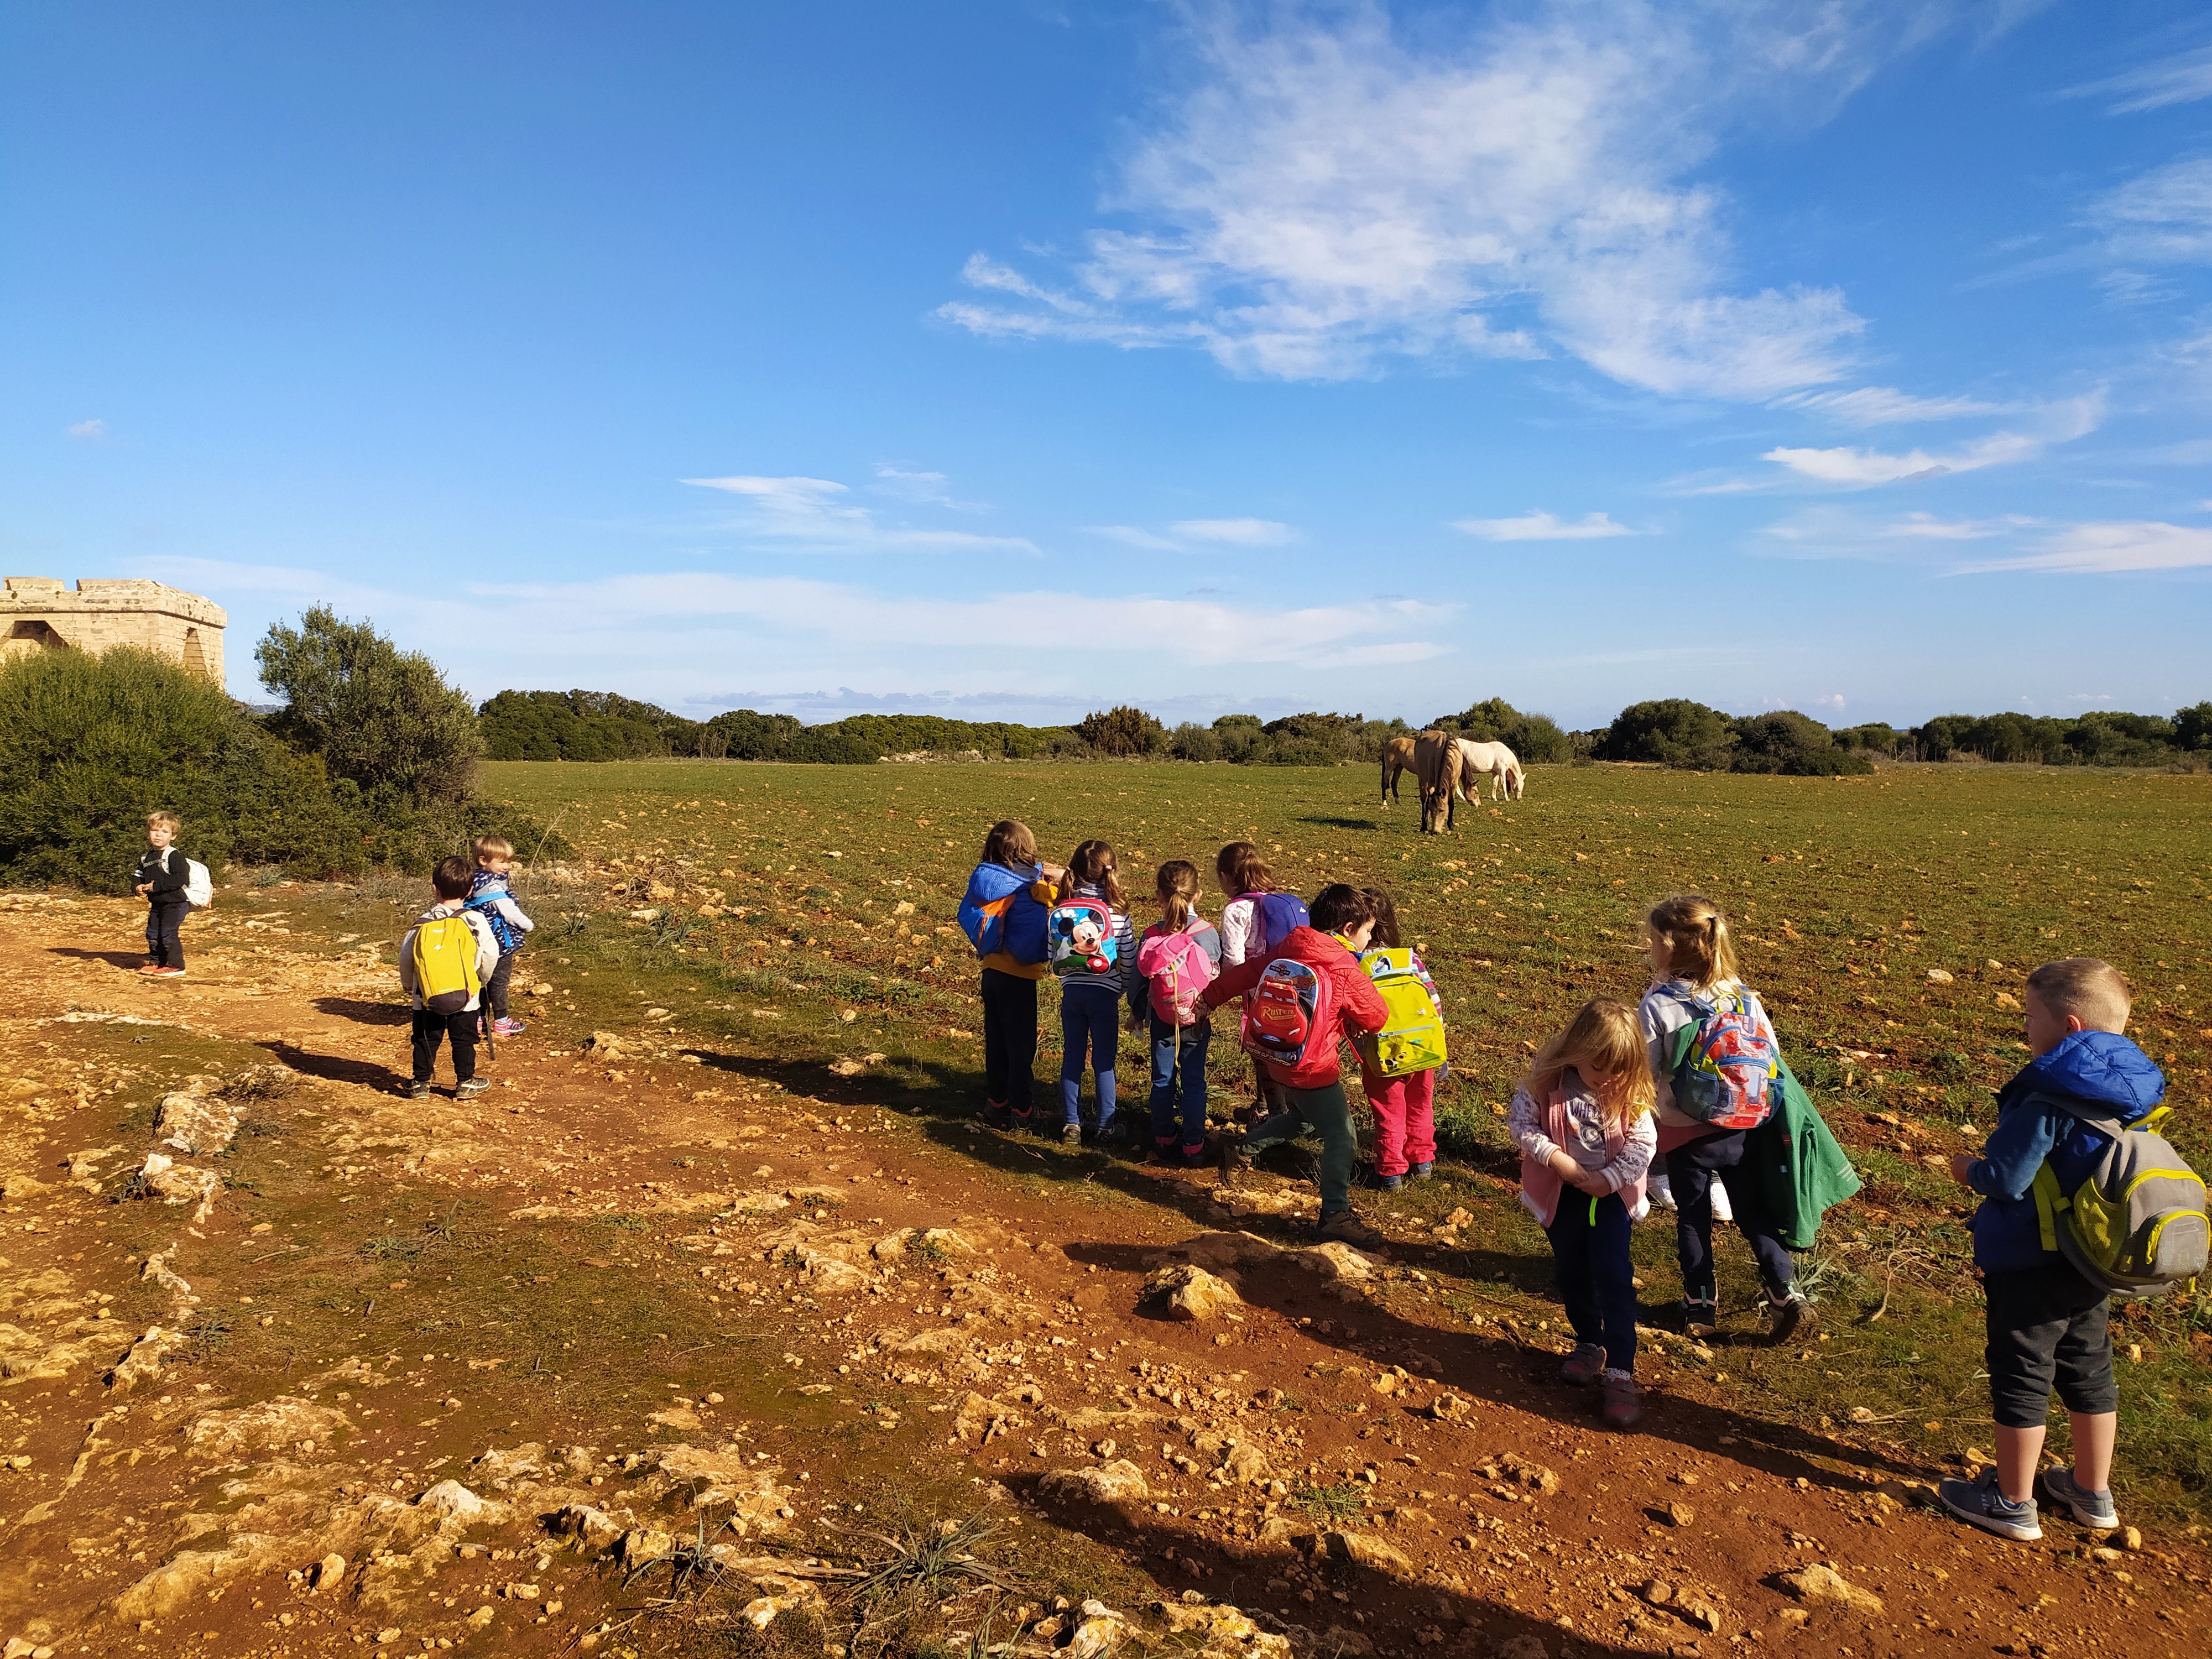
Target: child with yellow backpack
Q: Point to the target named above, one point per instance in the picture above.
(445, 959)
(1398, 1064)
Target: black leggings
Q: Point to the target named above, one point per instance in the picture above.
(1009, 1040)
(162, 943)
(430, 1028)
(1691, 1171)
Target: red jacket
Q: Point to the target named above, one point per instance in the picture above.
(1359, 1007)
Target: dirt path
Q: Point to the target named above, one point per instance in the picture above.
(353, 1370)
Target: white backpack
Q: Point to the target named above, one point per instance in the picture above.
(199, 886)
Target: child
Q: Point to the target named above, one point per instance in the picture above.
(1347, 1006)
(159, 880)
(444, 960)
(1404, 1106)
(1693, 981)
(1164, 991)
(1003, 914)
(1090, 1004)
(2047, 1321)
(490, 894)
(1245, 879)
(1582, 1116)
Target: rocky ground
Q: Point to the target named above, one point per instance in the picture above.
(666, 1344)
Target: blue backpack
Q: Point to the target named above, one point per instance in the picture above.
(1274, 915)
(501, 929)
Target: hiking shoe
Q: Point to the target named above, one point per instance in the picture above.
(1346, 1227)
(1070, 1134)
(1585, 1365)
(1236, 1162)
(151, 968)
(1421, 1172)
(504, 1026)
(1111, 1136)
(1979, 1503)
(475, 1085)
(1701, 1315)
(996, 1115)
(1377, 1181)
(419, 1089)
(2089, 1508)
(1623, 1403)
(1785, 1313)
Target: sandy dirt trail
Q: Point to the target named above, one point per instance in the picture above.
(290, 1364)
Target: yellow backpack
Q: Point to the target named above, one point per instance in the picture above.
(445, 965)
(1413, 1037)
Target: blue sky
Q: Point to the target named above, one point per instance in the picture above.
(1009, 358)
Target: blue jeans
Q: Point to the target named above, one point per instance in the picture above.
(1009, 1039)
(1090, 1023)
(1691, 1171)
(1179, 1077)
(1589, 1248)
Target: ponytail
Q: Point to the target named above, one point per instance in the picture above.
(1699, 947)
(1177, 888)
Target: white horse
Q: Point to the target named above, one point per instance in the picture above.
(1507, 780)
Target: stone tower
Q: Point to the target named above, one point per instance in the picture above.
(38, 613)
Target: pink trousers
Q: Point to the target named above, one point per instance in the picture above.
(1405, 1120)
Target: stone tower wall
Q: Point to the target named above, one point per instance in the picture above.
(38, 613)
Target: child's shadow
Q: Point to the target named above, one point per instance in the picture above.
(363, 1013)
(333, 1069)
(112, 958)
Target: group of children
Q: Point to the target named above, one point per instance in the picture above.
(1621, 1105)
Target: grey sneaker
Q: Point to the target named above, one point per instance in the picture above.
(1979, 1503)
(2089, 1508)
(418, 1090)
(1346, 1228)
(1070, 1134)
(1585, 1365)
(475, 1085)
(1786, 1313)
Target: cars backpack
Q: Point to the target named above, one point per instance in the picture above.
(1274, 915)
(1178, 970)
(2138, 1226)
(1079, 939)
(1287, 1015)
(1413, 1037)
(199, 886)
(445, 965)
(1725, 1063)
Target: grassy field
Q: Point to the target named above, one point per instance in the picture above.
(1846, 893)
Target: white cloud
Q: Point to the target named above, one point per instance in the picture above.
(1237, 532)
(2108, 549)
(1883, 406)
(2162, 217)
(928, 489)
(2181, 79)
(1325, 196)
(1921, 538)
(1541, 526)
(812, 512)
(91, 431)
(1131, 536)
(2060, 423)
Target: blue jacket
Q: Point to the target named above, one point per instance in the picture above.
(2101, 1069)
(1003, 914)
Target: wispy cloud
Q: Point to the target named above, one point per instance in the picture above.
(2111, 549)
(1883, 406)
(2060, 423)
(1129, 535)
(2009, 542)
(2181, 79)
(814, 513)
(925, 489)
(1327, 195)
(90, 432)
(1236, 533)
(1538, 525)
(2163, 216)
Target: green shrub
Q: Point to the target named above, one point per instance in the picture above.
(382, 717)
(1535, 739)
(89, 745)
(1673, 732)
(583, 726)
(1794, 744)
(1123, 730)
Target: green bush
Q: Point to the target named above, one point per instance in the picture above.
(1535, 739)
(583, 726)
(89, 745)
(382, 717)
(1673, 732)
(1191, 742)
(1792, 744)
(1121, 731)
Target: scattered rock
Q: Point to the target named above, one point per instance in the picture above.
(1450, 1409)
(1101, 1631)
(1191, 1294)
(1364, 1550)
(640, 1545)
(281, 1424)
(194, 1124)
(1120, 1482)
(592, 1528)
(328, 1573)
(1822, 1584)
(1511, 1469)
(143, 1362)
(1938, 976)
(604, 1045)
(457, 1502)
(179, 1183)
(1521, 1647)
(1679, 1514)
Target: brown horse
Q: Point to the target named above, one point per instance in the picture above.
(1437, 765)
(1397, 758)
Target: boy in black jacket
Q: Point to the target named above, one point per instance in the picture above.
(159, 880)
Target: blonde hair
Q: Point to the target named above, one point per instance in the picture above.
(1243, 870)
(176, 824)
(492, 847)
(1093, 862)
(2093, 992)
(1010, 843)
(1699, 947)
(1177, 887)
(1604, 1046)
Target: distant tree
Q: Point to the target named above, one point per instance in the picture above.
(1876, 737)
(1535, 739)
(1240, 735)
(1789, 741)
(2192, 727)
(1674, 731)
(1191, 742)
(381, 717)
(1122, 731)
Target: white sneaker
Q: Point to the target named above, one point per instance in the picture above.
(1723, 1210)
(1660, 1193)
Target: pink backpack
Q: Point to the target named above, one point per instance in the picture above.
(1179, 970)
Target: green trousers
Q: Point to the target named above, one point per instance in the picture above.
(1328, 1114)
